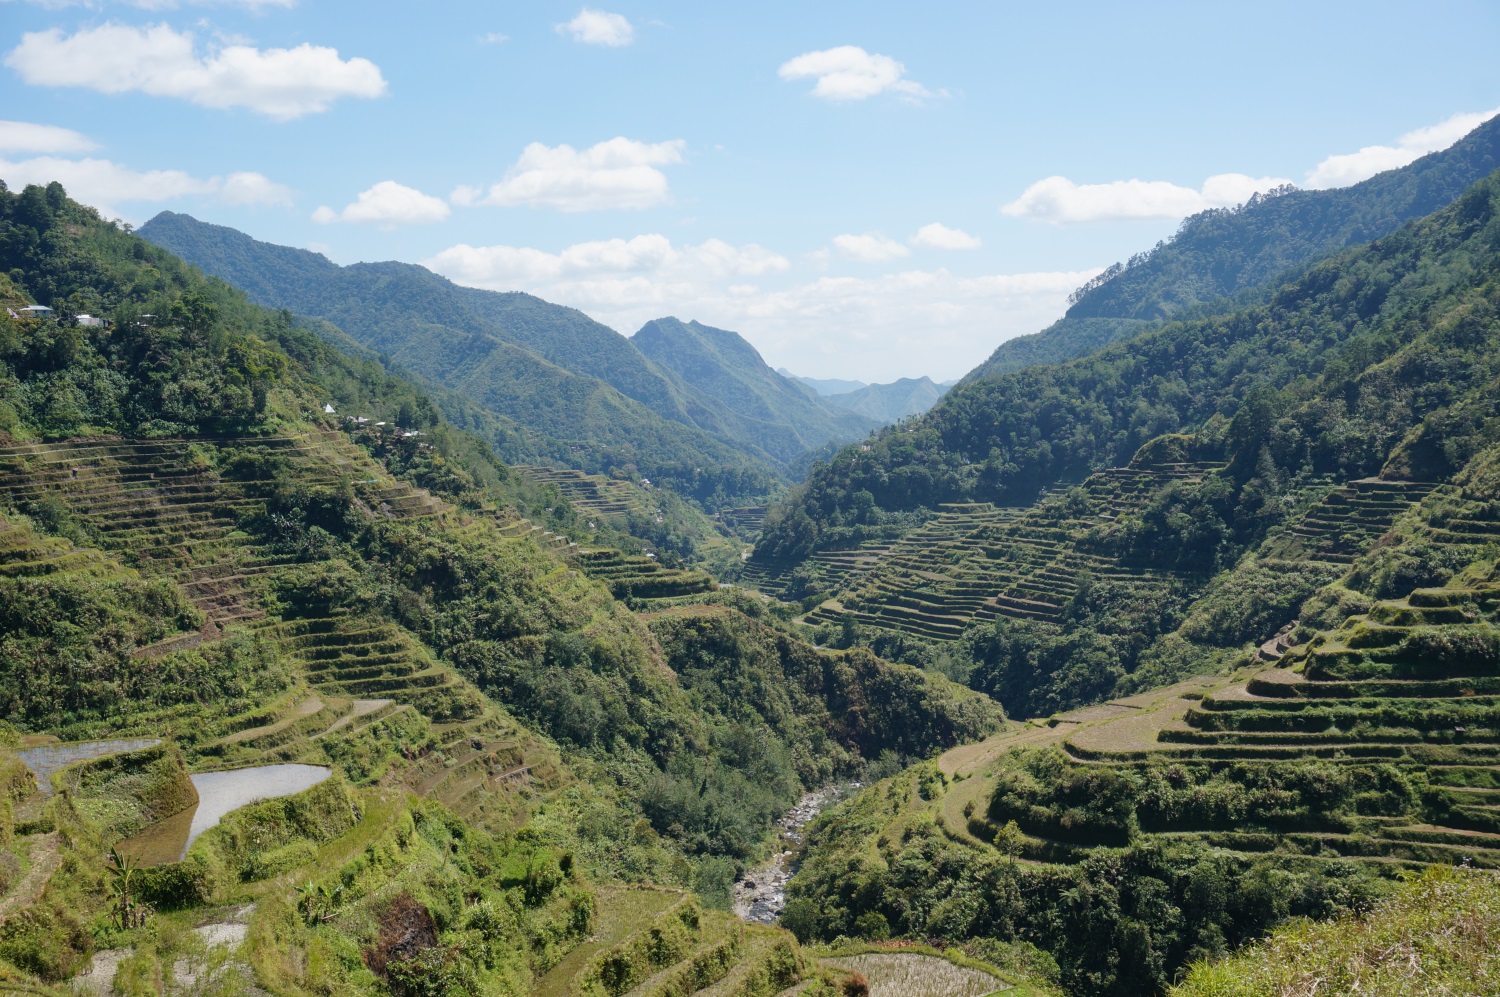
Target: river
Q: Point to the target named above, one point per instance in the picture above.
(760, 894)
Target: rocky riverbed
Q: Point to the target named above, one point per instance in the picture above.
(760, 895)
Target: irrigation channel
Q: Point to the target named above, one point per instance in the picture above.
(760, 894)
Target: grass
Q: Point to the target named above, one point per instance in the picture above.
(1438, 935)
(901, 974)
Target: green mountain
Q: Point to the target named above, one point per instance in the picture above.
(714, 422)
(888, 403)
(1241, 569)
(1156, 465)
(580, 392)
(1221, 253)
(522, 777)
(1005, 438)
(788, 419)
(883, 403)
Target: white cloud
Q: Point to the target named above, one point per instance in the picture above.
(513, 267)
(894, 325)
(253, 189)
(1058, 199)
(281, 83)
(388, 204)
(871, 247)
(1350, 168)
(940, 236)
(22, 136)
(848, 72)
(618, 174)
(599, 27)
(106, 185)
(876, 328)
(493, 38)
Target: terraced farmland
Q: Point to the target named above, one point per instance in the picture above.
(746, 521)
(1377, 742)
(976, 562)
(359, 686)
(642, 576)
(595, 494)
(1347, 520)
(161, 509)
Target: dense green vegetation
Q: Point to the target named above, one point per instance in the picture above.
(1268, 525)
(712, 421)
(1234, 446)
(192, 548)
(784, 417)
(1131, 839)
(1433, 936)
(1326, 377)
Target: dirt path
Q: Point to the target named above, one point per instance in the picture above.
(44, 862)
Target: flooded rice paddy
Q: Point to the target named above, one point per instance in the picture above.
(219, 793)
(50, 758)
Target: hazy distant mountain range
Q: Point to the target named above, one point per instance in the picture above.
(884, 403)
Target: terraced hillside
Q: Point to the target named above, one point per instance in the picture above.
(1300, 786)
(354, 690)
(594, 494)
(165, 510)
(172, 510)
(641, 576)
(745, 521)
(638, 519)
(208, 573)
(976, 562)
(1347, 520)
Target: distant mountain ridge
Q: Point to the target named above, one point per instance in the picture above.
(1223, 252)
(601, 401)
(883, 403)
(824, 386)
(887, 403)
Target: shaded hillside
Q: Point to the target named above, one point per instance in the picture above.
(1222, 252)
(193, 549)
(787, 417)
(887, 403)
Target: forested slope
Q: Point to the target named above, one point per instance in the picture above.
(192, 549)
(589, 396)
(722, 365)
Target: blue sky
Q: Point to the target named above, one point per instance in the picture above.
(866, 190)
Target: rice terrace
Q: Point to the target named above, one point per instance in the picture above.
(851, 500)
